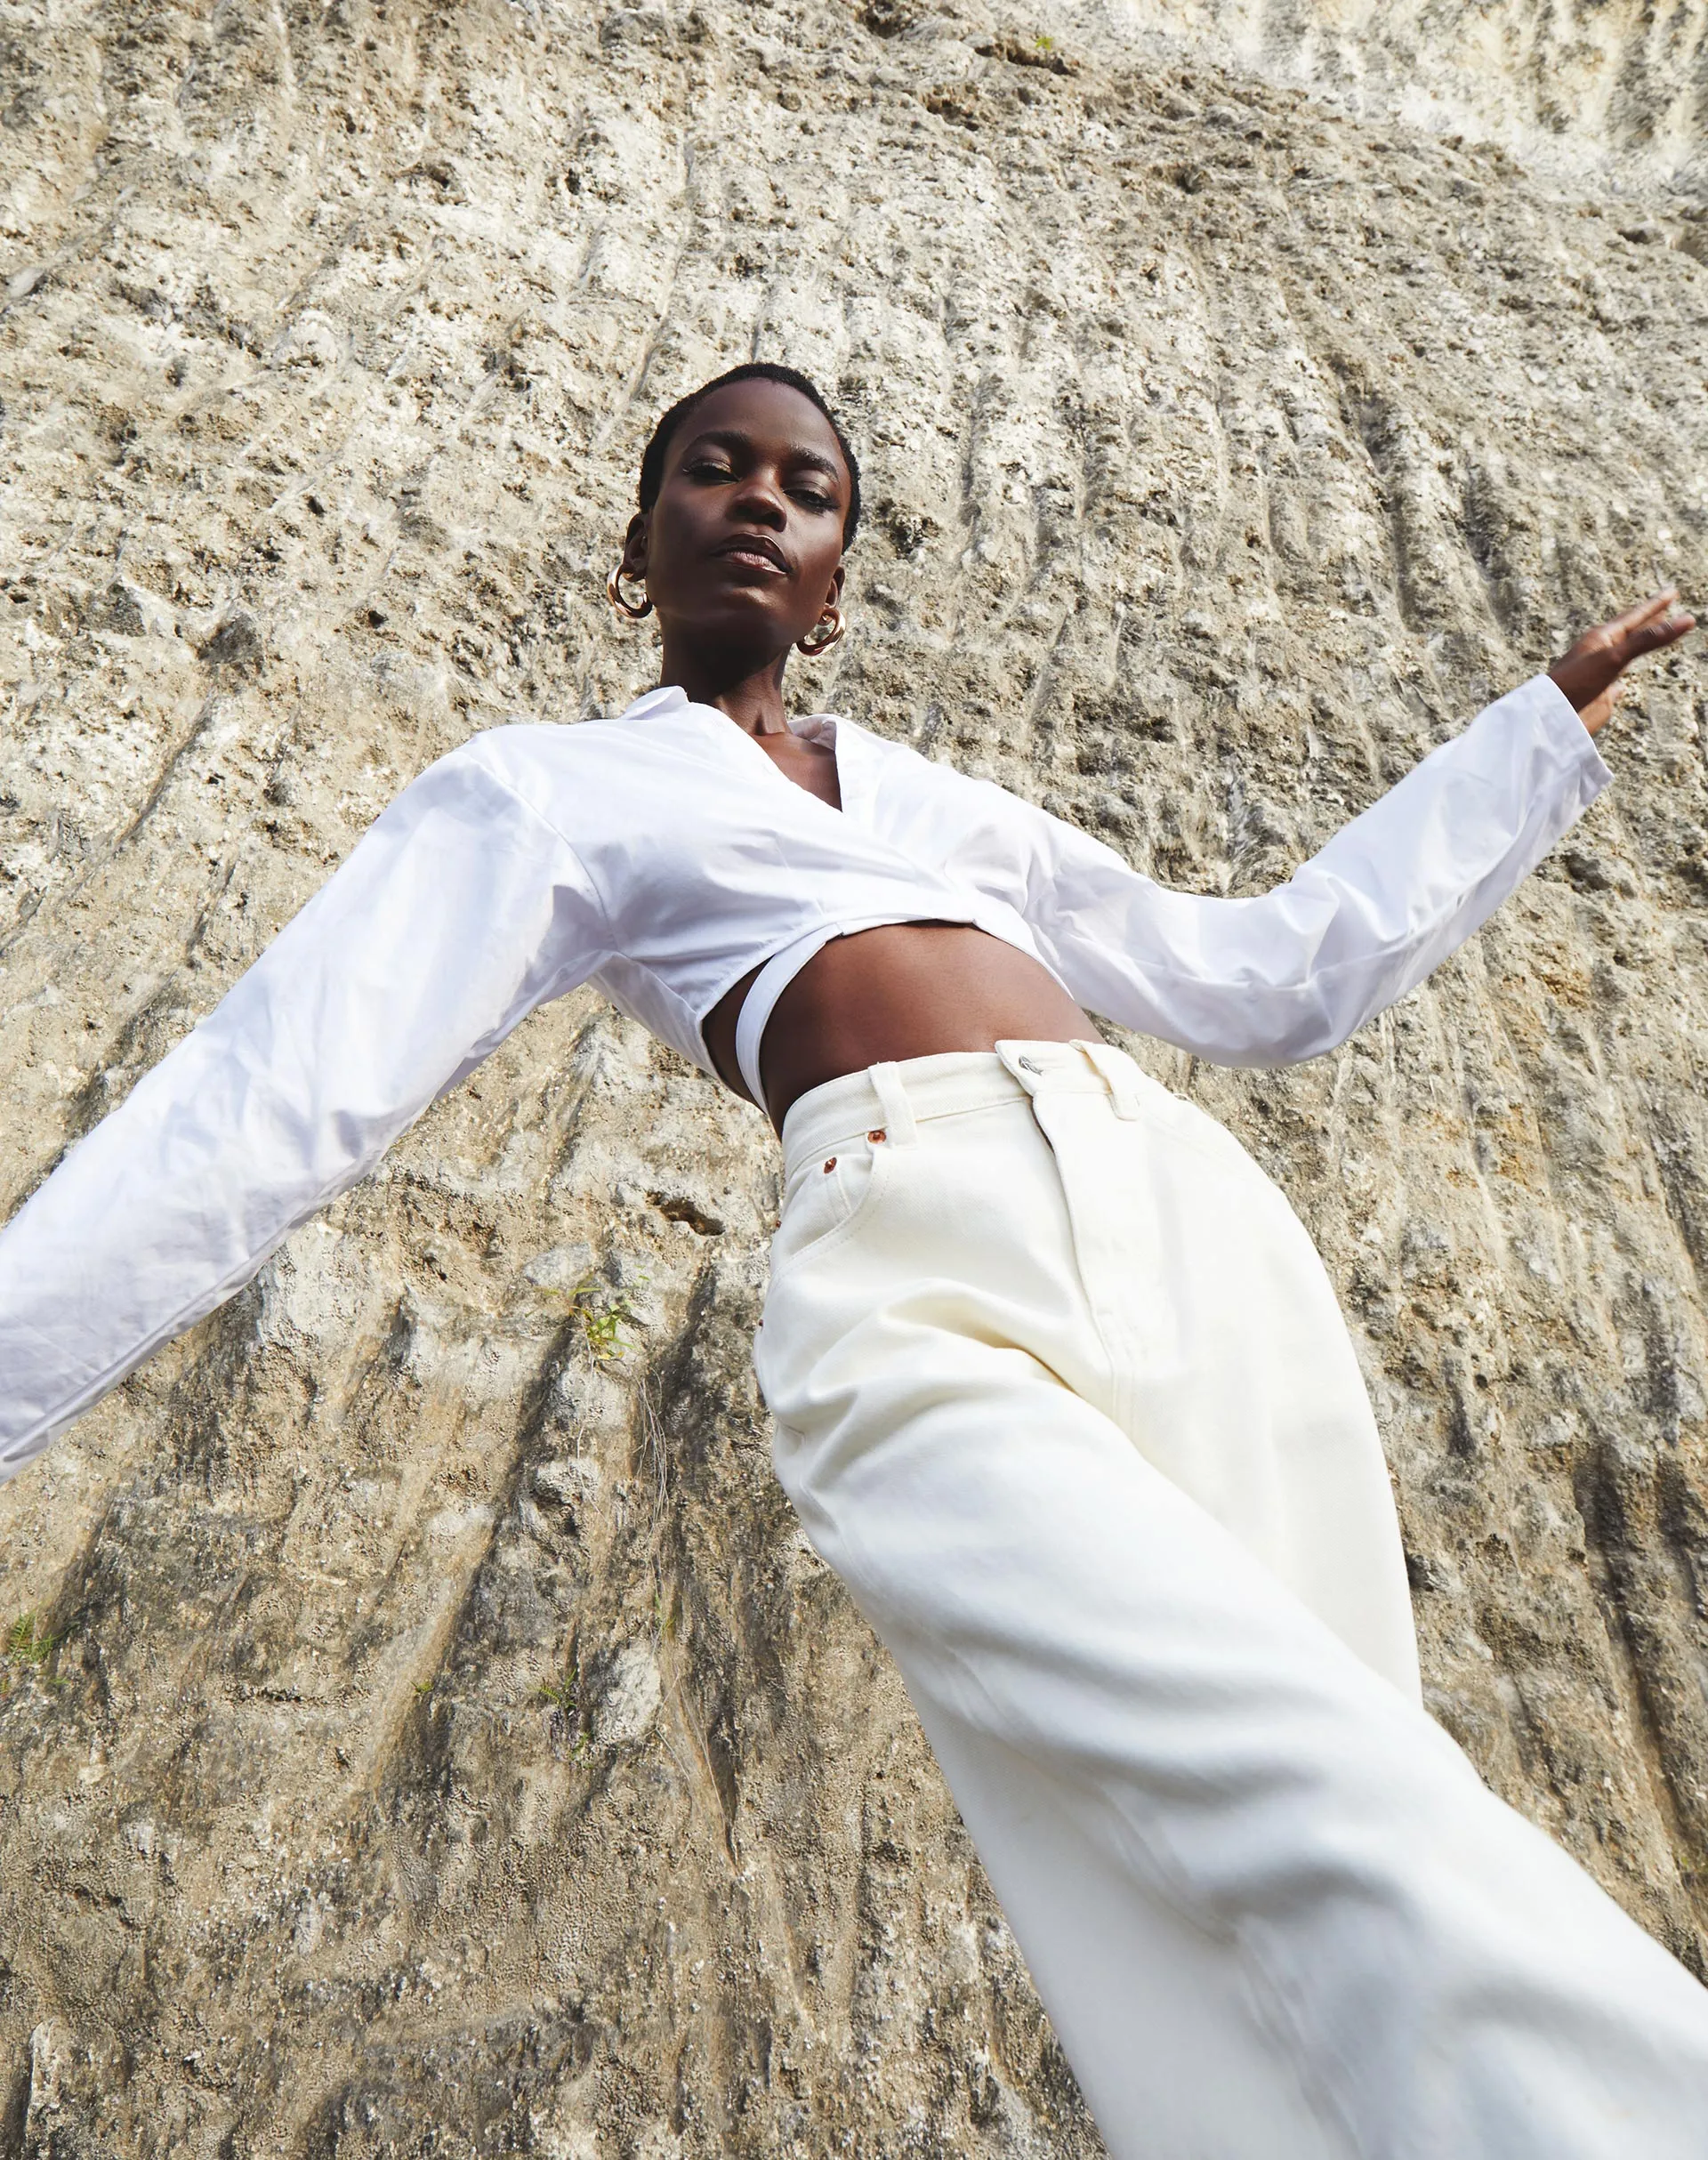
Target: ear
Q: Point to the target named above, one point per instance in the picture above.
(634, 547)
(838, 579)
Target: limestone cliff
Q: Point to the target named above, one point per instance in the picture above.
(423, 1728)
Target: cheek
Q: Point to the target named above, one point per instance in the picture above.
(674, 548)
(670, 537)
(819, 559)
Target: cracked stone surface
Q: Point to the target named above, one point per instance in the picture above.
(424, 1729)
(1609, 83)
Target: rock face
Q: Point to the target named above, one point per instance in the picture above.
(1571, 83)
(424, 1727)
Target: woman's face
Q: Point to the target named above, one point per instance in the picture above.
(744, 546)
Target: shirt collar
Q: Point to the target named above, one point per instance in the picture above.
(671, 697)
(666, 698)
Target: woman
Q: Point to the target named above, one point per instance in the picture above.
(1059, 1385)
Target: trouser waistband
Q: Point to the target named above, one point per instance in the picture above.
(895, 1099)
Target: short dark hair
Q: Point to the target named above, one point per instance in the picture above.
(652, 461)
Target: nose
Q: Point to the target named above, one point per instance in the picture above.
(757, 501)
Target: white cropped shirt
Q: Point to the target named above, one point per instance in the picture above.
(662, 856)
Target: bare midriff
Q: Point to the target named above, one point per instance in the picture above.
(905, 990)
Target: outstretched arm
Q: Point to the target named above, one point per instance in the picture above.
(1292, 973)
(457, 914)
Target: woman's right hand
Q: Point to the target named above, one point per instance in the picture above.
(1588, 673)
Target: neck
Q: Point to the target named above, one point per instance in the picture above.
(751, 696)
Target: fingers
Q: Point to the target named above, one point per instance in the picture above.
(1649, 627)
(1588, 671)
(1646, 610)
(1651, 636)
(1656, 635)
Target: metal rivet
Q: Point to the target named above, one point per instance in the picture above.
(1026, 1064)
(830, 1166)
(876, 1134)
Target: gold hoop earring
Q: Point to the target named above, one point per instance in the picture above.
(624, 607)
(812, 646)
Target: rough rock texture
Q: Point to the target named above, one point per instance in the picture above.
(424, 1729)
(1624, 81)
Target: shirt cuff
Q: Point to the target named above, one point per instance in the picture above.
(1563, 728)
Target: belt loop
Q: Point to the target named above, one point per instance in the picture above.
(897, 1111)
(1119, 1076)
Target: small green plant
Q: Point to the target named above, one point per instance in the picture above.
(563, 1698)
(603, 1317)
(565, 1693)
(28, 1643)
(1045, 44)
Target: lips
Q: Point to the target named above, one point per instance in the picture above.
(755, 551)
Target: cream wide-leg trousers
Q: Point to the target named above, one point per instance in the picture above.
(1063, 1395)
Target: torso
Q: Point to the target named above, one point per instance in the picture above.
(905, 990)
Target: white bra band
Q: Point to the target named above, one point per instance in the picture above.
(757, 1007)
(782, 968)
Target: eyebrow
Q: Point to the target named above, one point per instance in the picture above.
(737, 439)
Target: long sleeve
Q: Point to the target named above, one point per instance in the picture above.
(1287, 976)
(457, 914)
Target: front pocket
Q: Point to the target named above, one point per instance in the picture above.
(825, 1199)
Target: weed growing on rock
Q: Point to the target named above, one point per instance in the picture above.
(29, 1644)
(603, 1317)
(562, 1699)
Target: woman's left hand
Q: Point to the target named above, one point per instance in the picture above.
(1590, 672)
